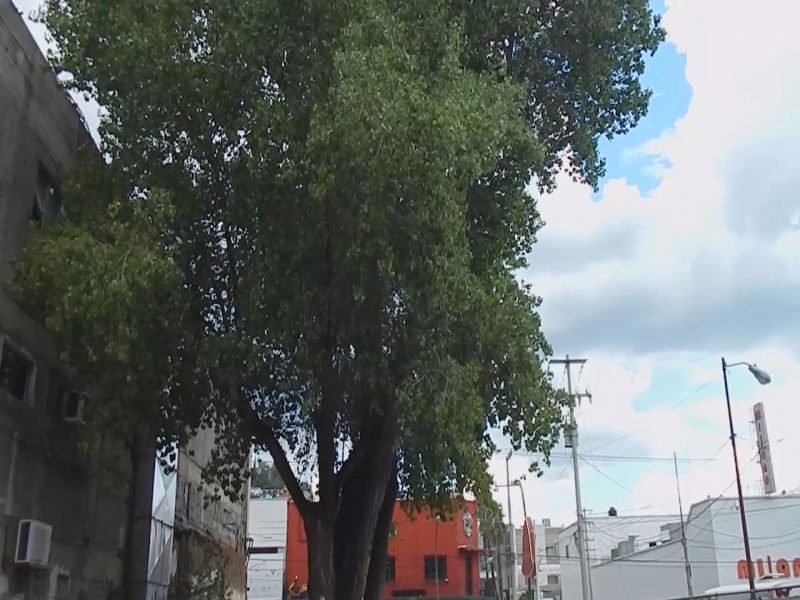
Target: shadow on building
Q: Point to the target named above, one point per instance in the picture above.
(120, 527)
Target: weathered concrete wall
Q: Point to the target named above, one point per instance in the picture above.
(39, 127)
(212, 568)
(42, 474)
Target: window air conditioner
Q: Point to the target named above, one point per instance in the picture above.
(33, 543)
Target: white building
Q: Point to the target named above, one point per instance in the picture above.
(546, 583)
(650, 565)
(267, 531)
(605, 534)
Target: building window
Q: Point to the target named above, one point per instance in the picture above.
(566, 551)
(47, 201)
(552, 580)
(551, 551)
(391, 573)
(16, 371)
(435, 568)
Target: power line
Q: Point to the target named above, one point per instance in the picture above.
(676, 405)
(611, 479)
(609, 457)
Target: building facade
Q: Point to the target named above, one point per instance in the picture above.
(71, 529)
(548, 562)
(427, 557)
(653, 566)
(268, 533)
(546, 581)
(46, 486)
(604, 535)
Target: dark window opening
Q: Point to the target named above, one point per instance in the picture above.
(468, 587)
(47, 200)
(15, 372)
(391, 572)
(435, 568)
(264, 550)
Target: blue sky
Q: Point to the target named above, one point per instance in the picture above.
(665, 76)
(663, 270)
(685, 253)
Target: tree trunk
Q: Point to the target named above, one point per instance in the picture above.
(361, 499)
(321, 570)
(376, 573)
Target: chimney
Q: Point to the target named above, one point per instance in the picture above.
(612, 512)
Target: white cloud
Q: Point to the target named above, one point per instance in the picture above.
(717, 229)
(707, 265)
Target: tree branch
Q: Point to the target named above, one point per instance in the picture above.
(265, 433)
(360, 451)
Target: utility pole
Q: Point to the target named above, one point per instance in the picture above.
(513, 537)
(572, 439)
(586, 545)
(686, 564)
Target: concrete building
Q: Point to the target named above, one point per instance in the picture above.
(546, 583)
(265, 568)
(68, 530)
(78, 517)
(606, 534)
(427, 557)
(548, 562)
(651, 566)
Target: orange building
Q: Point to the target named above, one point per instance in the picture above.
(420, 549)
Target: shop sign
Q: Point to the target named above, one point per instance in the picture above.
(782, 567)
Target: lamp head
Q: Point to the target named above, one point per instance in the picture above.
(761, 376)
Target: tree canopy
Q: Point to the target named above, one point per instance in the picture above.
(309, 227)
(266, 476)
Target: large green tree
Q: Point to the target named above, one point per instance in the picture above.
(308, 229)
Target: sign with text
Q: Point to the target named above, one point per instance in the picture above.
(782, 567)
(764, 456)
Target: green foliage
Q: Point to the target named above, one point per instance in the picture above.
(266, 477)
(106, 284)
(318, 213)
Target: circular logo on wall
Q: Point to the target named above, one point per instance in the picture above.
(468, 523)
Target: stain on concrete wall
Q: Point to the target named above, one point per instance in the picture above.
(209, 531)
(43, 473)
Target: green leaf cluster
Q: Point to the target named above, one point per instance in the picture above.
(309, 231)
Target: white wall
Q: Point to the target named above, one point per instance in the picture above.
(773, 524)
(267, 528)
(604, 533)
(653, 573)
(714, 545)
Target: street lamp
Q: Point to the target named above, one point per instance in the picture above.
(763, 378)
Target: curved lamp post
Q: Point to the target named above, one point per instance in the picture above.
(763, 378)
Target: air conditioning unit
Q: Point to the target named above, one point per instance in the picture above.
(72, 405)
(33, 543)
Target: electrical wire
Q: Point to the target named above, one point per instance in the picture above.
(676, 405)
(611, 479)
(608, 457)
